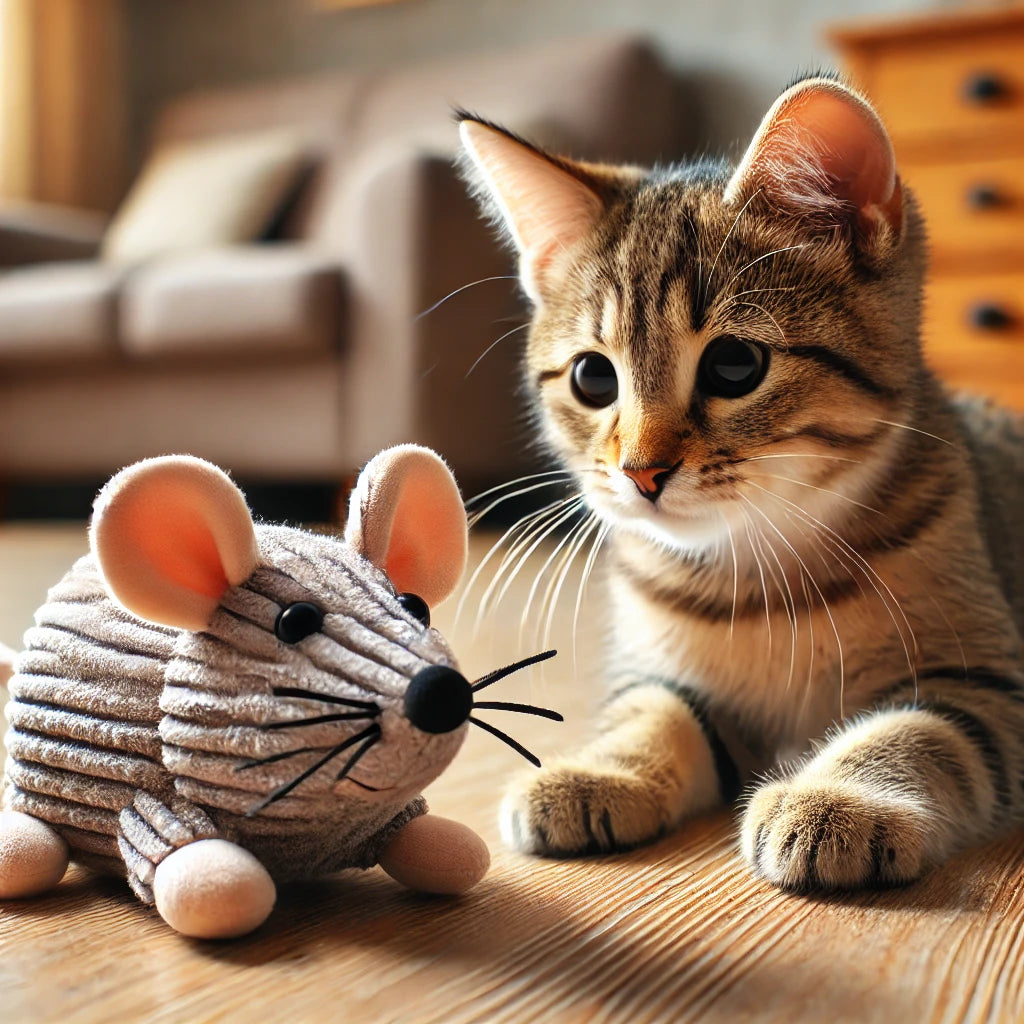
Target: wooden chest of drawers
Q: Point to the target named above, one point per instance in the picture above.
(950, 88)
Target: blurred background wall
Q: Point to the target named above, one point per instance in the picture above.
(737, 54)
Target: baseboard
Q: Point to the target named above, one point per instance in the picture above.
(292, 502)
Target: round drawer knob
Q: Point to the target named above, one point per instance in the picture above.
(984, 87)
(984, 197)
(989, 316)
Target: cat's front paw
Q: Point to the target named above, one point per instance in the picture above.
(809, 835)
(568, 810)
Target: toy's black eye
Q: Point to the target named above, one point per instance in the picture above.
(594, 381)
(297, 621)
(732, 367)
(416, 607)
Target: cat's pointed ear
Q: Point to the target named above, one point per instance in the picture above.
(406, 517)
(546, 204)
(822, 153)
(170, 535)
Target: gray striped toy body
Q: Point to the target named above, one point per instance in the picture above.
(115, 722)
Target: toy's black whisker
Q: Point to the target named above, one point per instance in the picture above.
(256, 761)
(345, 716)
(282, 791)
(501, 673)
(505, 738)
(358, 756)
(327, 698)
(522, 709)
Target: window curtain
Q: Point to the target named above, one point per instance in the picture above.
(62, 103)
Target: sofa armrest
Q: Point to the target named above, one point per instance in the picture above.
(41, 233)
(413, 237)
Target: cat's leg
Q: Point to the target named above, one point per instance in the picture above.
(33, 857)
(657, 759)
(893, 792)
(202, 885)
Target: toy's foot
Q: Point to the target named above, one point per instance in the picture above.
(437, 855)
(33, 857)
(212, 889)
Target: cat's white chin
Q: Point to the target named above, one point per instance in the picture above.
(691, 533)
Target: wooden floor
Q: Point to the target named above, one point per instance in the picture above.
(675, 932)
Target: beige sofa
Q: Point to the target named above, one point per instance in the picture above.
(300, 355)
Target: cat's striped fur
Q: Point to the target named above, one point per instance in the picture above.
(826, 601)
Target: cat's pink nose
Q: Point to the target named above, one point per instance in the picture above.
(649, 480)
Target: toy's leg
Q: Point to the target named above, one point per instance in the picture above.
(213, 889)
(202, 885)
(437, 855)
(33, 857)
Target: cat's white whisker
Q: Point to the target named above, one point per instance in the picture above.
(802, 455)
(543, 521)
(539, 576)
(859, 559)
(775, 323)
(760, 570)
(809, 605)
(494, 344)
(821, 595)
(477, 516)
(582, 534)
(824, 490)
(916, 430)
(767, 255)
(524, 549)
(735, 576)
(512, 531)
(588, 568)
(556, 473)
(758, 291)
(728, 235)
(870, 574)
(786, 594)
(472, 284)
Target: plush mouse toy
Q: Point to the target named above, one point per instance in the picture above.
(211, 706)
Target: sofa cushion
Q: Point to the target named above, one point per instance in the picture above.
(239, 301)
(208, 192)
(58, 311)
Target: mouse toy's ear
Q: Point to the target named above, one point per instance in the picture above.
(170, 536)
(406, 516)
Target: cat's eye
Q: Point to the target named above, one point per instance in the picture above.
(731, 367)
(297, 621)
(416, 607)
(593, 380)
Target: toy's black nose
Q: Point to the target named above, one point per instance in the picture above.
(438, 699)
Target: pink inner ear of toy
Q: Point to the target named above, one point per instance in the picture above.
(427, 548)
(406, 516)
(171, 535)
(174, 540)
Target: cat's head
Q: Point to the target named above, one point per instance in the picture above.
(692, 325)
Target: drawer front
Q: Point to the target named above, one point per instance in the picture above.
(950, 90)
(974, 334)
(974, 209)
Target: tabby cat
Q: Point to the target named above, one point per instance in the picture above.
(817, 578)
